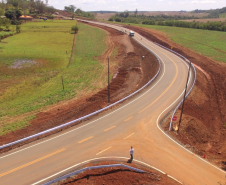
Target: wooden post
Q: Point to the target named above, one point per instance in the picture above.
(108, 83)
(62, 82)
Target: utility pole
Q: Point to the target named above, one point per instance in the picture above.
(108, 83)
(184, 97)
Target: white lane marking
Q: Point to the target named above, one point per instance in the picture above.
(94, 120)
(174, 179)
(158, 170)
(92, 160)
(168, 108)
(103, 150)
(128, 136)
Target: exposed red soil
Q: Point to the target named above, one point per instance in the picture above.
(203, 126)
(119, 176)
(132, 73)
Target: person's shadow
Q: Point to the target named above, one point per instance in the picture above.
(130, 160)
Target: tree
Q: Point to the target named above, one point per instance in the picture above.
(17, 28)
(74, 29)
(15, 3)
(13, 14)
(136, 11)
(126, 13)
(50, 9)
(40, 6)
(2, 11)
(70, 8)
(78, 11)
(118, 20)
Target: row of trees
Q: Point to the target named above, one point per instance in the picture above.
(218, 26)
(133, 17)
(212, 13)
(79, 12)
(26, 6)
(13, 9)
(128, 17)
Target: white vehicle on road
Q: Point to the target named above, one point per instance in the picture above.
(131, 33)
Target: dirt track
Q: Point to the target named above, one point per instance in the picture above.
(203, 127)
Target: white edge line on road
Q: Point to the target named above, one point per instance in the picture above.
(174, 179)
(173, 139)
(176, 141)
(103, 150)
(94, 120)
(157, 123)
(169, 107)
(92, 160)
(158, 170)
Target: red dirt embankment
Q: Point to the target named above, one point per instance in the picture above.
(119, 176)
(203, 127)
(132, 73)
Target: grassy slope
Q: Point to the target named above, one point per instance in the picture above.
(41, 85)
(205, 42)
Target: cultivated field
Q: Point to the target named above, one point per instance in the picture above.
(34, 62)
(173, 13)
(208, 43)
(106, 16)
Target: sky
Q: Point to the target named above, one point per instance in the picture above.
(141, 5)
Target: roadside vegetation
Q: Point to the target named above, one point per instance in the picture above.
(78, 12)
(35, 71)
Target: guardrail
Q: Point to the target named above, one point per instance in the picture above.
(92, 168)
(188, 61)
(87, 116)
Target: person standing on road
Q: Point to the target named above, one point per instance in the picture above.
(131, 153)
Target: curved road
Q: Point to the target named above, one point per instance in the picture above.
(112, 133)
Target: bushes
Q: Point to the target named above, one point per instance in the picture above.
(118, 20)
(17, 28)
(15, 22)
(5, 34)
(217, 26)
(74, 29)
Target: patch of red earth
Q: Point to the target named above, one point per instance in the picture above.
(133, 73)
(119, 176)
(203, 126)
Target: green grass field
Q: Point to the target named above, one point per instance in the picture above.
(24, 91)
(208, 43)
(223, 15)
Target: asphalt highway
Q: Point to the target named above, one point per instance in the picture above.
(135, 122)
